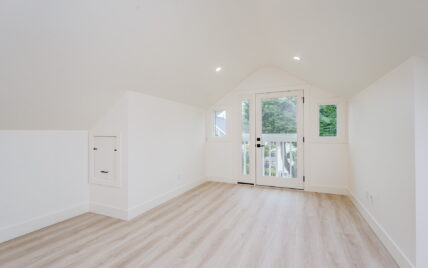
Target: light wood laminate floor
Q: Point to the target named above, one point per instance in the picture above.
(213, 225)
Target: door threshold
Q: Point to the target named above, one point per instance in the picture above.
(279, 187)
(246, 183)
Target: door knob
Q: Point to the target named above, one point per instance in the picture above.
(260, 145)
(104, 171)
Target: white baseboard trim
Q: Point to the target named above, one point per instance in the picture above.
(37, 223)
(326, 189)
(387, 241)
(308, 188)
(140, 209)
(221, 179)
(110, 211)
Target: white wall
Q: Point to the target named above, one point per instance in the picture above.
(166, 150)
(421, 156)
(382, 150)
(326, 160)
(161, 153)
(43, 179)
(110, 200)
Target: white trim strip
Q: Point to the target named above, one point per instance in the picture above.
(387, 241)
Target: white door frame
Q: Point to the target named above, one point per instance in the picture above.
(298, 182)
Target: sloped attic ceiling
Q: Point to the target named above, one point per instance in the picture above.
(345, 45)
(62, 63)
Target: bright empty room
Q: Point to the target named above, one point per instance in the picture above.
(229, 133)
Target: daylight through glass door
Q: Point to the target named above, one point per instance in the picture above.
(279, 133)
(279, 136)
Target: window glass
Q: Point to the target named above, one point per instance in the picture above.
(328, 121)
(220, 123)
(245, 145)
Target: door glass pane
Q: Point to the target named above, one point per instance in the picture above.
(280, 159)
(279, 115)
(245, 146)
(279, 137)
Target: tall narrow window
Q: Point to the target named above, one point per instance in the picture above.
(220, 123)
(328, 120)
(245, 145)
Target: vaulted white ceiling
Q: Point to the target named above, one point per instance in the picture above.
(62, 63)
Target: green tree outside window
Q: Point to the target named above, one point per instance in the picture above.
(328, 120)
(279, 116)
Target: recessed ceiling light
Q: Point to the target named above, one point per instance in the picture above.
(218, 69)
(297, 58)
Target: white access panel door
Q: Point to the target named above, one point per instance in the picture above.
(105, 160)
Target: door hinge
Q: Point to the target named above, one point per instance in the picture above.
(303, 139)
(303, 98)
(304, 178)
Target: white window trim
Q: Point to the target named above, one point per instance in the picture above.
(341, 136)
(211, 134)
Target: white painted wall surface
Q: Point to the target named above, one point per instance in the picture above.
(110, 200)
(421, 158)
(326, 160)
(166, 150)
(43, 179)
(382, 150)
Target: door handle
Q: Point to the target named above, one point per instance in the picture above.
(260, 145)
(104, 171)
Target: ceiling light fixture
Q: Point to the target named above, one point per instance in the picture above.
(218, 69)
(297, 58)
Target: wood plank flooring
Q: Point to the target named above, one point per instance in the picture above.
(213, 225)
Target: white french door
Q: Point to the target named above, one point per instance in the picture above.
(279, 139)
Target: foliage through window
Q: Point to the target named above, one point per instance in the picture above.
(220, 123)
(328, 120)
(279, 115)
